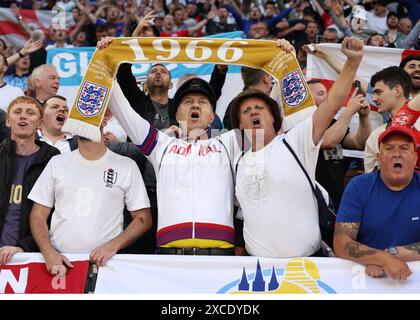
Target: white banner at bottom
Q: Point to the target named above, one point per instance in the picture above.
(168, 274)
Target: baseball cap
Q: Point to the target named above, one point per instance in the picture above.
(398, 130)
(195, 85)
(253, 93)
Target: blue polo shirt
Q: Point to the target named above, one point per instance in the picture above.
(387, 218)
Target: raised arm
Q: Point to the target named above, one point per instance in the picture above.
(277, 18)
(357, 141)
(337, 132)
(238, 18)
(411, 38)
(318, 8)
(29, 47)
(79, 26)
(353, 50)
(217, 79)
(336, 11)
(202, 23)
(88, 10)
(24, 26)
(136, 97)
(137, 128)
(297, 27)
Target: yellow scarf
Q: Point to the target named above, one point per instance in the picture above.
(91, 101)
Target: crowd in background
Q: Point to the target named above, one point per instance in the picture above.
(303, 23)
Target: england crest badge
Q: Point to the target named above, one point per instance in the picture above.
(294, 90)
(110, 178)
(91, 99)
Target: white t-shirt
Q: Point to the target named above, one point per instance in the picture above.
(7, 94)
(89, 198)
(279, 209)
(376, 23)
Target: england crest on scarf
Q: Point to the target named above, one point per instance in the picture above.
(91, 99)
(294, 91)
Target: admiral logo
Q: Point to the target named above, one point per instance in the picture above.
(294, 90)
(91, 99)
(110, 178)
(301, 275)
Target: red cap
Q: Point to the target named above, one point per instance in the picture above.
(398, 130)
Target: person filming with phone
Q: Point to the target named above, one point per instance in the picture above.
(332, 165)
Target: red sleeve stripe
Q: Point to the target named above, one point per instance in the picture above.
(149, 143)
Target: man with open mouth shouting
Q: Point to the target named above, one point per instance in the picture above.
(378, 220)
(55, 114)
(193, 172)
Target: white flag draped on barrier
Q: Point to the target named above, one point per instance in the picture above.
(162, 274)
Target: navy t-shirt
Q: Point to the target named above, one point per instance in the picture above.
(11, 228)
(387, 218)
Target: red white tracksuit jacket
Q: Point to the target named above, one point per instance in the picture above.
(195, 179)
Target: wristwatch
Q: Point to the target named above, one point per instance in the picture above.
(393, 250)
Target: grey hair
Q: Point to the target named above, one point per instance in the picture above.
(37, 72)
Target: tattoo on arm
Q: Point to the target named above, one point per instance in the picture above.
(141, 220)
(414, 247)
(351, 229)
(353, 250)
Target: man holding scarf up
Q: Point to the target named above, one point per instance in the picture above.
(195, 178)
(279, 209)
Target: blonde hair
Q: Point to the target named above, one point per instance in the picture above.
(24, 99)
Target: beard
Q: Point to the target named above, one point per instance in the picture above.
(415, 86)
